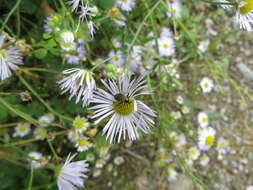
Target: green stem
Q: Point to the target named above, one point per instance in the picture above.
(19, 113)
(220, 3)
(140, 27)
(30, 180)
(53, 150)
(9, 15)
(41, 100)
(93, 68)
(38, 69)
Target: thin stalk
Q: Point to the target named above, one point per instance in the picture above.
(38, 69)
(31, 179)
(53, 150)
(220, 3)
(9, 15)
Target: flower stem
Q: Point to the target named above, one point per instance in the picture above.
(220, 3)
(53, 150)
(41, 100)
(31, 179)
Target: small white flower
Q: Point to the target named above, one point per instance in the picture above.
(35, 158)
(10, 58)
(244, 14)
(118, 160)
(97, 172)
(174, 9)
(117, 58)
(80, 124)
(51, 24)
(45, 120)
(179, 140)
(249, 187)
(90, 157)
(185, 109)
(203, 46)
(126, 5)
(172, 174)
(194, 153)
(72, 174)
(166, 46)
(206, 85)
(203, 119)
(223, 146)
(73, 135)
(166, 32)
(83, 144)
(22, 129)
(127, 114)
(206, 138)
(180, 100)
(204, 160)
(67, 40)
(77, 55)
(79, 83)
(176, 115)
(100, 163)
(40, 133)
(116, 43)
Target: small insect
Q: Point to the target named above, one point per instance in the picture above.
(122, 98)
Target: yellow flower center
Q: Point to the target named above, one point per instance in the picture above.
(83, 142)
(210, 140)
(206, 85)
(125, 1)
(114, 13)
(204, 119)
(22, 128)
(193, 152)
(116, 58)
(166, 46)
(55, 19)
(79, 124)
(123, 107)
(169, 68)
(74, 135)
(245, 9)
(41, 133)
(220, 146)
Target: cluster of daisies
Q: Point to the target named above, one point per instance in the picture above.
(24, 128)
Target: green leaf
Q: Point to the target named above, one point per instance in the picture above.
(47, 36)
(40, 53)
(108, 4)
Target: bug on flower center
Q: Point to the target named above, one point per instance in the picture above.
(124, 105)
(247, 6)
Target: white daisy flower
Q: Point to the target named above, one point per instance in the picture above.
(100, 163)
(80, 124)
(35, 159)
(45, 120)
(185, 109)
(72, 174)
(22, 129)
(206, 138)
(10, 58)
(40, 133)
(67, 40)
(118, 160)
(179, 140)
(180, 100)
(176, 115)
(249, 187)
(126, 5)
(206, 85)
(117, 58)
(172, 174)
(204, 160)
(194, 153)
(203, 46)
(79, 83)
(171, 69)
(244, 14)
(116, 43)
(127, 114)
(77, 55)
(223, 146)
(83, 144)
(203, 119)
(166, 46)
(97, 172)
(90, 157)
(73, 135)
(51, 24)
(174, 9)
